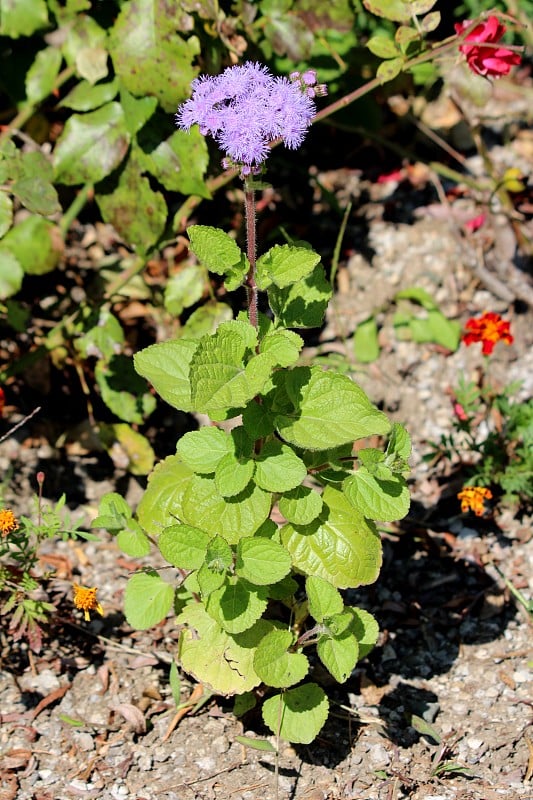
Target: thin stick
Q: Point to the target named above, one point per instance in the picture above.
(19, 424)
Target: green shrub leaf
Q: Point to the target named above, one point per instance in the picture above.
(324, 600)
(262, 561)
(298, 714)
(160, 505)
(301, 505)
(166, 366)
(278, 468)
(147, 599)
(183, 546)
(341, 546)
(284, 265)
(386, 500)
(277, 667)
(221, 661)
(328, 410)
(237, 605)
(92, 145)
(232, 518)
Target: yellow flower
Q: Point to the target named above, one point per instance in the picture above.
(85, 600)
(472, 498)
(8, 521)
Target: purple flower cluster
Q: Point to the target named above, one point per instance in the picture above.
(245, 108)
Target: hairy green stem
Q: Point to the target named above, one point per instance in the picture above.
(251, 286)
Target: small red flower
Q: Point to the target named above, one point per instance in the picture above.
(486, 60)
(459, 412)
(475, 223)
(489, 329)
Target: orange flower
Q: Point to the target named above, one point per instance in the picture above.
(472, 498)
(489, 329)
(8, 521)
(85, 600)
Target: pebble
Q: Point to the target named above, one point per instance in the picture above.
(378, 756)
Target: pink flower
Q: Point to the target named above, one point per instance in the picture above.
(459, 412)
(486, 60)
(475, 223)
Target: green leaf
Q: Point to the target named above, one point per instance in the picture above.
(277, 667)
(148, 54)
(398, 10)
(113, 513)
(298, 714)
(175, 683)
(128, 448)
(233, 475)
(133, 541)
(399, 441)
(184, 289)
(404, 36)
(283, 345)
(324, 600)
(92, 145)
(382, 46)
(325, 410)
(262, 561)
(341, 546)
(206, 319)
(123, 390)
(303, 304)
(278, 468)
(103, 336)
(256, 744)
(237, 605)
(218, 252)
(338, 654)
(417, 295)
(11, 273)
(183, 546)
(365, 628)
(180, 162)
(86, 97)
(365, 341)
(436, 328)
(388, 70)
(36, 243)
(221, 381)
(430, 21)
(41, 76)
(147, 600)
(386, 500)
(160, 504)
(166, 366)
(91, 63)
(301, 505)
(137, 110)
(36, 194)
(135, 210)
(209, 580)
(22, 17)
(232, 518)
(219, 555)
(6, 213)
(221, 661)
(202, 450)
(284, 265)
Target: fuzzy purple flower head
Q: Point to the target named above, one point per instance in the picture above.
(245, 108)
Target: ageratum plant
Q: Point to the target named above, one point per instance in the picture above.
(266, 519)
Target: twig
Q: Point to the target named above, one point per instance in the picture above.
(20, 424)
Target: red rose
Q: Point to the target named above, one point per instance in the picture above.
(488, 60)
